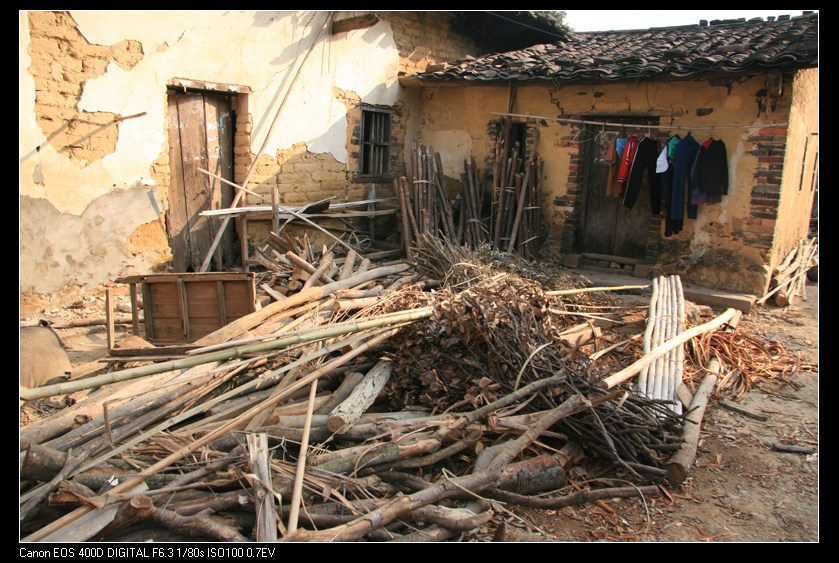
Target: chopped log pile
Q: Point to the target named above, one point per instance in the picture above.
(359, 405)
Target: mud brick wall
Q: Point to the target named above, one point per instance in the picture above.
(62, 61)
(425, 38)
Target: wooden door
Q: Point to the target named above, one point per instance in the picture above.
(200, 136)
(607, 226)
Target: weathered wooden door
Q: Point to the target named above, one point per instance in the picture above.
(200, 136)
(607, 226)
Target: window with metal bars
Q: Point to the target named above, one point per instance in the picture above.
(375, 143)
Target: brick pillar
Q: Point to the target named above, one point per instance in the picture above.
(769, 146)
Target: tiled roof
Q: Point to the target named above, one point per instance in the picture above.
(722, 46)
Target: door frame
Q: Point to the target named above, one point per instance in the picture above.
(632, 124)
(217, 137)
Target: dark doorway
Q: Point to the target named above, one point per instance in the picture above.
(607, 226)
(201, 135)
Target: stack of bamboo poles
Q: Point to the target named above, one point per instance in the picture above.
(516, 198)
(511, 225)
(427, 209)
(789, 279)
(665, 321)
(471, 229)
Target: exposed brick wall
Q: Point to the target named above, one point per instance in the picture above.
(242, 156)
(425, 38)
(769, 146)
(62, 61)
(567, 210)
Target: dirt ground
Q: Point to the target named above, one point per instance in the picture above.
(739, 489)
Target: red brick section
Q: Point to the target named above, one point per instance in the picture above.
(769, 146)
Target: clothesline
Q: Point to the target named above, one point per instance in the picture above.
(636, 125)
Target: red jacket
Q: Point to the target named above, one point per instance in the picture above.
(626, 159)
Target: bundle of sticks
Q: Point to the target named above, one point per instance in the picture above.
(666, 320)
(516, 196)
(511, 224)
(428, 210)
(789, 279)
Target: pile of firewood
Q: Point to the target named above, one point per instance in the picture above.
(327, 410)
(358, 406)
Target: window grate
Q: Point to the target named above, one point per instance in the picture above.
(375, 143)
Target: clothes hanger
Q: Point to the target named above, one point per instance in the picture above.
(602, 131)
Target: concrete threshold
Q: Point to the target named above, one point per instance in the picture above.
(699, 295)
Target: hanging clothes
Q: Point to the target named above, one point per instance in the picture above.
(665, 176)
(626, 160)
(646, 154)
(710, 173)
(681, 188)
(613, 162)
(620, 144)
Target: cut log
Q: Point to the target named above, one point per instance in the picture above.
(70, 493)
(534, 475)
(679, 465)
(349, 264)
(321, 271)
(351, 460)
(37, 497)
(455, 519)
(360, 399)
(580, 334)
(88, 525)
(41, 463)
(141, 508)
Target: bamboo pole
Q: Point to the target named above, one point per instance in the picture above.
(630, 371)
(204, 440)
(679, 358)
(234, 352)
(265, 380)
(593, 289)
(511, 245)
(641, 388)
(297, 492)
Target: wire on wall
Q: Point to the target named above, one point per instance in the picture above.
(645, 126)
